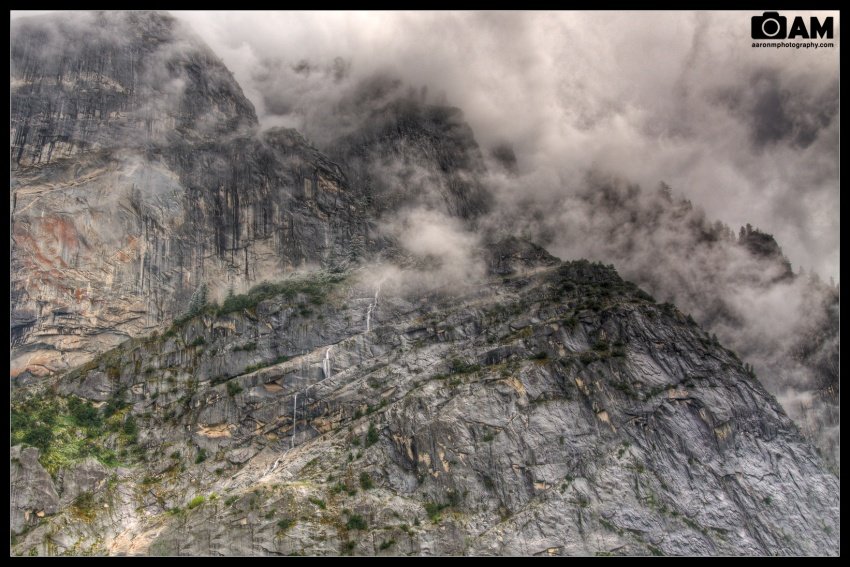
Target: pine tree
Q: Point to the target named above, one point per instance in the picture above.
(198, 300)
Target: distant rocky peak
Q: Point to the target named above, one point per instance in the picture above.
(763, 245)
(93, 81)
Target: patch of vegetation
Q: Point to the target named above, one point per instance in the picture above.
(64, 431)
(433, 510)
(459, 366)
(195, 502)
(234, 388)
(587, 357)
(371, 435)
(84, 506)
(285, 523)
(201, 457)
(84, 414)
(366, 482)
(654, 550)
(230, 500)
(115, 403)
(342, 487)
(640, 294)
(247, 347)
(265, 364)
(130, 429)
(539, 356)
(314, 286)
(198, 342)
(356, 522)
(387, 544)
(626, 388)
(317, 502)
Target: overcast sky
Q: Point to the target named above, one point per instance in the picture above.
(749, 134)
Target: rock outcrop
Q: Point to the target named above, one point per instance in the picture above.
(557, 410)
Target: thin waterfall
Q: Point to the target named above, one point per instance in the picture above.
(326, 363)
(372, 306)
(294, 410)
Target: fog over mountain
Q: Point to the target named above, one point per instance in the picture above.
(750, 135)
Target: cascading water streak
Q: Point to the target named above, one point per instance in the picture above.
(326, 363)
(371, 308)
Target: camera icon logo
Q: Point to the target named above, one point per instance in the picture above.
(769, 25)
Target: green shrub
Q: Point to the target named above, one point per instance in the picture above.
(387, 544)
(234, 388)
(314, 286)
(130, 429)
(587, 357)
(317, 502)
(433, 510)
(356, 522)
(85, 414)
(115, 403)
(38, 436)
(371, 435)
(198, 342)
(285, 523)
(459, 366)
(202, 456)
(195, 502)
(366, 481)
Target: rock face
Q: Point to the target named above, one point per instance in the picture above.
(84, 82)
(137, 177)
(603, 423)
(408, 153)
(31, 488)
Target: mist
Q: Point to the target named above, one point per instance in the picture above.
(748, 134)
